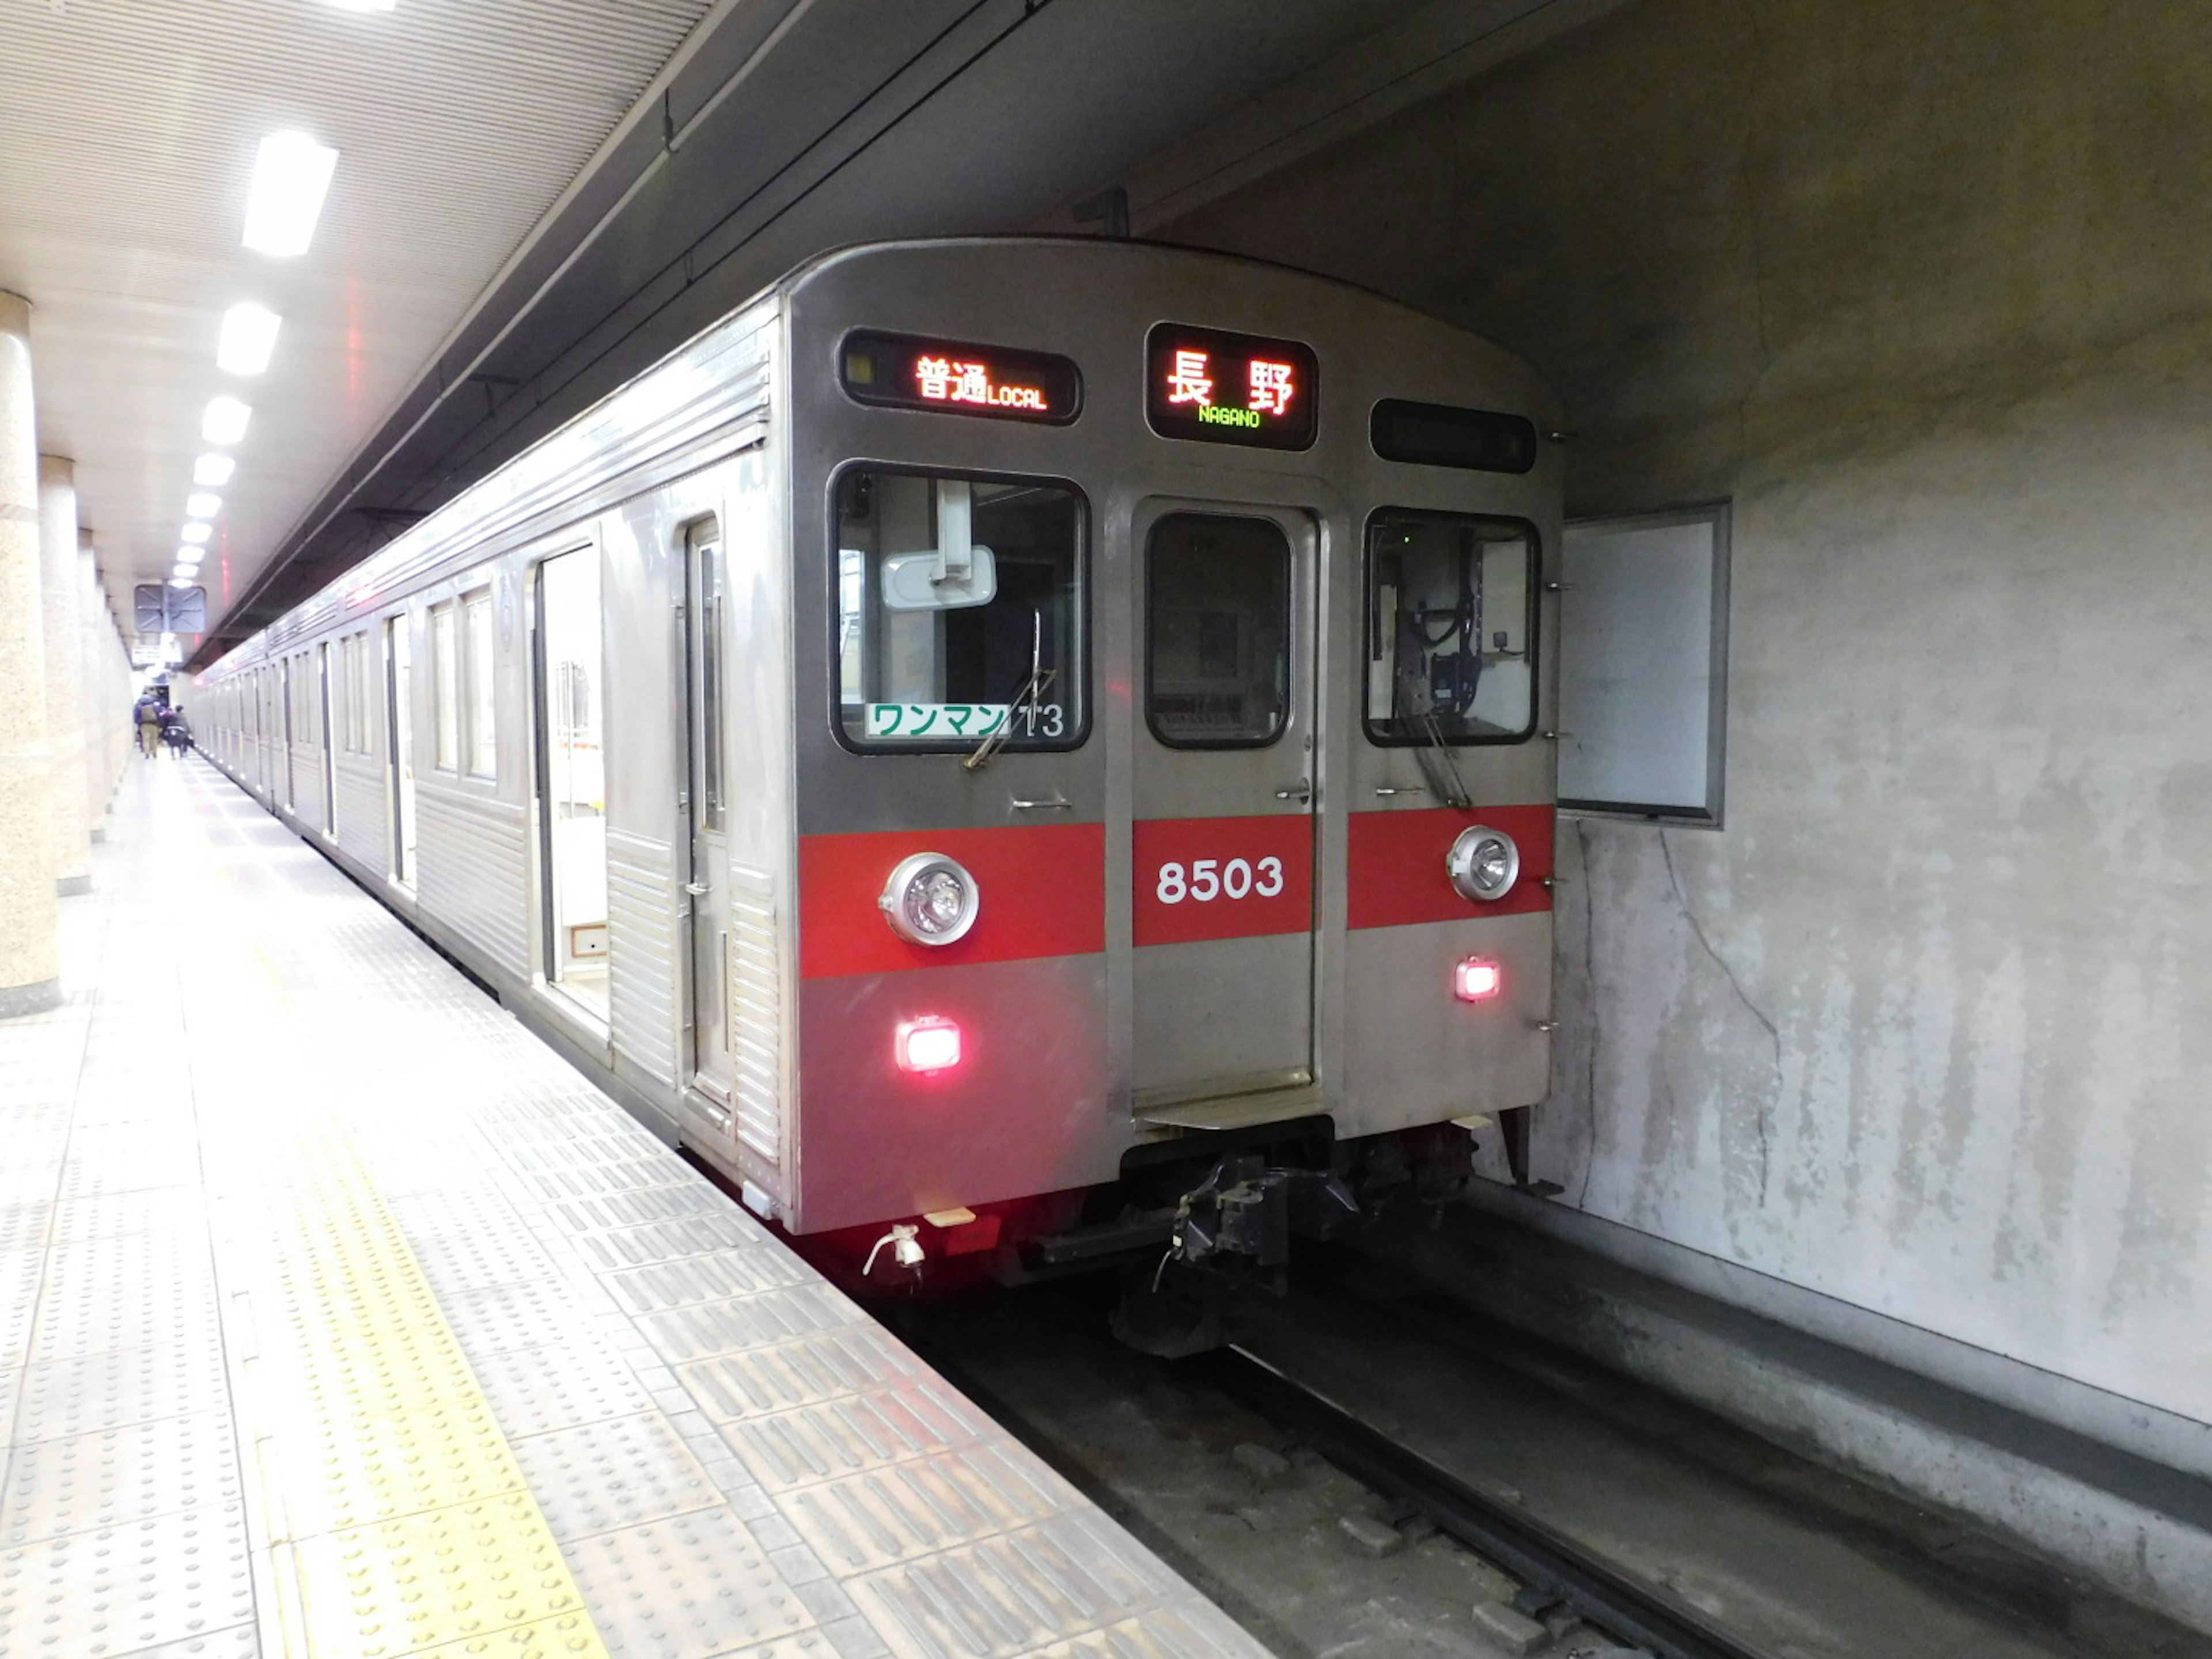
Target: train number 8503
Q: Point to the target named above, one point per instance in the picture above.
(1210, 878)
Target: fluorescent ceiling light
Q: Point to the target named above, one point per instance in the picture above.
(190, 555)
(213, 471)
(180, 582)
(203, 505)
(196, 532)
(291, 172)
(187, 572)
(224, 422)
(249, 335)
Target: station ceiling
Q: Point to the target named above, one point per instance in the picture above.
(533, 199)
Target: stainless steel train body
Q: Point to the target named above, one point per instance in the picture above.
(640, 728)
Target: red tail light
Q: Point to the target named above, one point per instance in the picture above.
(927, 1044)
(1476, 979)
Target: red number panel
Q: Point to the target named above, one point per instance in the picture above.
(1222, 877)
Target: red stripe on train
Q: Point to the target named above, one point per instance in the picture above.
(1198, 878)
(1042, 888)
(1396, 874)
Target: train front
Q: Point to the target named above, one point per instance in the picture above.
(1171, 653)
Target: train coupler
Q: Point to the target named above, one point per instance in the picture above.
(1248, 1212)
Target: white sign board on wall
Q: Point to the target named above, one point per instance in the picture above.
(1644, 665)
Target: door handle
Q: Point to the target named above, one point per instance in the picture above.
(1300, 791)
(698, 889)
(1059, 803)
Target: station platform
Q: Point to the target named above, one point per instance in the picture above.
(340, 1317)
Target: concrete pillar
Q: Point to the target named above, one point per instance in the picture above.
(65, 677)
(30, 954)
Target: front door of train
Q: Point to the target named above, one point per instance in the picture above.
(1223, 800)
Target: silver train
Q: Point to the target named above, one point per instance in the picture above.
(1017, 751)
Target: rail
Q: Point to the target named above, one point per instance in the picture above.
(1555, 1569)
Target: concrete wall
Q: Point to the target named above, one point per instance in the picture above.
(1924, 290)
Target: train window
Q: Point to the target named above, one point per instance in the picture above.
(483, 728)
(446, 685)
(1217, 631)
(959, 613)
(1451, 628)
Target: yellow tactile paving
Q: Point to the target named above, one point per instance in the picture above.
(404, 1525)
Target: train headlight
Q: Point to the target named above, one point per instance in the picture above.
(1483, 864)
(930, 900)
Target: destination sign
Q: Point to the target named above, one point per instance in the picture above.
(1209, 386)
(954, 377)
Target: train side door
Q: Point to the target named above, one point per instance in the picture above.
(1222, 786)
(713, 1070)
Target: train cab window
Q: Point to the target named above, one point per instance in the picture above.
(1451, 624)
(959, 612)
(1217, 631)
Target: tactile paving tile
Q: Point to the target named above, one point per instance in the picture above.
(439, 1578)
(20, 1273)
(534, 1389)
(501, 1318)
(666, 1240)
(372, 1469)
(97, 1594)
(898, 1514)
(178, 1212)
(803, 1373)
(23, 1224)
(1192, 1628)
(723, 1276)
(65, 1397)
(687, 1588)
(854, 1434)
(702, 1330)
(99, 1481)
(622, 1473)
(1015, 1593)
(239, 1642)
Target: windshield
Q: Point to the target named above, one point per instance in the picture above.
(1450, 622)
(959, 612)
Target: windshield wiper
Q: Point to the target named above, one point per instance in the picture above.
(1031, 691)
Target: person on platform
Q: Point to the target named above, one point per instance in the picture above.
(175, 732)
(146, 715)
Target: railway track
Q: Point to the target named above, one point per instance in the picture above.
(1555, 1571)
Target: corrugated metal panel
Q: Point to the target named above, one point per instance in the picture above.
(642, 952)
(754, 987)
(469, 857)
(364, 822)
(127, 137)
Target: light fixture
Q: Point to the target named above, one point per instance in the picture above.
(201, 505)
(196, 532)
(928, 1044)
(249, 335)
(180, 582)
(213, 471)
(930, 900)
(1477, 979)
(224, 422)
(188, 553)
(291, 173)
(1483, 864)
